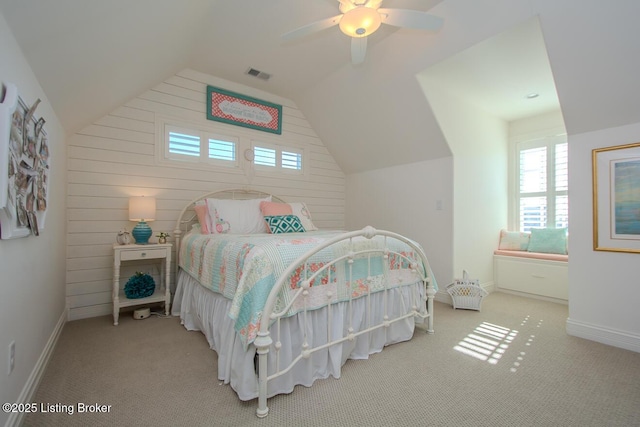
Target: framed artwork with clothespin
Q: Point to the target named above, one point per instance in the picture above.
(24, 166)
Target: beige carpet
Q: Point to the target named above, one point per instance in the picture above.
(511, 364)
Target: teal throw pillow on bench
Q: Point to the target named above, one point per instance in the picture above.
(548, 240)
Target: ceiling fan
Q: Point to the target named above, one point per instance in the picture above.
(361, 18)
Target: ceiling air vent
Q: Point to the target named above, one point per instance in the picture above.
(259, 74)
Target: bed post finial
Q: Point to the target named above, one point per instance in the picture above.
(369, 232)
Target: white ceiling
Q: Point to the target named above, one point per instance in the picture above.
(88, 50)
(91, 56)
(498, 74)
(82, 50)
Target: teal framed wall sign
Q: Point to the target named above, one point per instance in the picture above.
(240, 110)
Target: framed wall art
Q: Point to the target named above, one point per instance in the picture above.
(240, 110)
(24, 167)
(616, 198)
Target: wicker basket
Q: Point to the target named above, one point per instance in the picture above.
(466, 293)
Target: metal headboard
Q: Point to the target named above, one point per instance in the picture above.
(188, 215)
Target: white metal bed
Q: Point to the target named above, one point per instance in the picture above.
(341, 329)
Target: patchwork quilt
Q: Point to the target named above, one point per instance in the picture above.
(244, 268)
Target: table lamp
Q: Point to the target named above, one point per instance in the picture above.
(142, 209)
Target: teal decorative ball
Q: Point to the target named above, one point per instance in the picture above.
(140, 285)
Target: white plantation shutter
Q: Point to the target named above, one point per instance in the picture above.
(264, 156)
(277, 157)
(291, 160)
(542, 198)
(202, 148)
(562, 185)
(222, 150)
(199, 146)
(181, 143)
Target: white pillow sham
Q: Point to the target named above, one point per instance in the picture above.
(228, 216)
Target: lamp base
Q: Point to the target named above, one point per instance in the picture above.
(141, 232)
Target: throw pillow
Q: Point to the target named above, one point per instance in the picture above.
(236, 216)
(513, 240)
(284, 224)
(298, 209)
(548, 240)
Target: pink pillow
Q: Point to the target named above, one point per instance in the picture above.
(202, 212)
(275, 209)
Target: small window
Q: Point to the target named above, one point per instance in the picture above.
(278, 158)
(200, 146)
(184, 144)
(291, 160)
(264, 156)
(223, 150)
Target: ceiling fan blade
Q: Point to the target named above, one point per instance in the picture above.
(312, 28)
(358, 49)
(414, 19)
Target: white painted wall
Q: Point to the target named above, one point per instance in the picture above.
(32, 307)
(604, 289)
(115, 158)
(405, 199)
(479, 145)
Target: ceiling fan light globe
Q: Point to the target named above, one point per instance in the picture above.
(360, 22)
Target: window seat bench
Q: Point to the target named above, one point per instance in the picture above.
(532, 274)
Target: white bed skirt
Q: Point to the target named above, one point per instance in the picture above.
(202, 310)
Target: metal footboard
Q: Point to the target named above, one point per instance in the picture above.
(275, 310)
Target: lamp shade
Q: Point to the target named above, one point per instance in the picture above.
(142, 208)
(360, 21)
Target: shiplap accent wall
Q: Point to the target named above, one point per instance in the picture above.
(115, 158)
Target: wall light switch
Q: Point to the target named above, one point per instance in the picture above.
(12, 357)
(438, 205)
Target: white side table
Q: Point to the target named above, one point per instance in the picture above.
(162, 293)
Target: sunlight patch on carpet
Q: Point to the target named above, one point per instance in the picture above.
(487, 342)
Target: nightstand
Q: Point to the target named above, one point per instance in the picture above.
(162, 293)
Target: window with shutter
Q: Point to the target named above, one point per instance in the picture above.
(291, 160)
(222, 150)
(542, 199)
(264, 156)
(276, 157)
(183, 144)
(200, 146)
(190, 145)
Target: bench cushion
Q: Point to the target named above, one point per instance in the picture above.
(534, 255)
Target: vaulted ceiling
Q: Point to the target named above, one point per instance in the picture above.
(91, 56)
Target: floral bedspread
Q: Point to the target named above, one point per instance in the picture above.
(244, 268)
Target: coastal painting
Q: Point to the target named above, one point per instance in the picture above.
(616, 198)
(627, 198)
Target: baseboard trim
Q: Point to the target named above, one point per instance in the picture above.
(90, 311)
(602, 335)
(31, 386)
(533, 296)
(442, 296)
